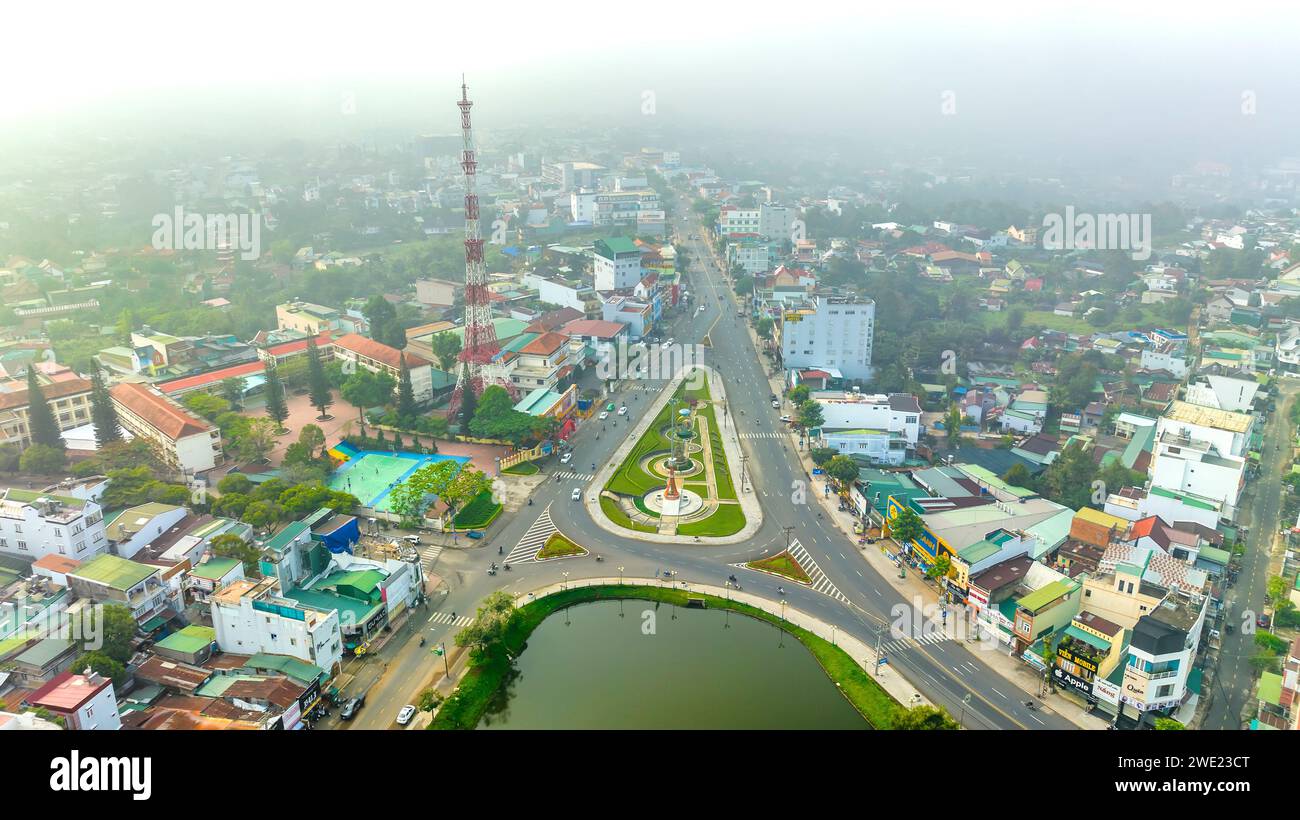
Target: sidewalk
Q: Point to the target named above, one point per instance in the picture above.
(891, 681)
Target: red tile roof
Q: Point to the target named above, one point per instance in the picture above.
(160, 412)
(57, 390)
(593, 327)
(545, 345)
(378, 351)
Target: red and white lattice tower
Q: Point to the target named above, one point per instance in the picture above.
(480, 345)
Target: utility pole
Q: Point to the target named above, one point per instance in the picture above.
(787, 531)
(880, 636)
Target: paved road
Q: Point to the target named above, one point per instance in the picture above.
(945, 671)
(1233, 690)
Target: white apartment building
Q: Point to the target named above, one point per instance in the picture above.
(562, 292)
(1201, 451)
(617, 264)
(1161, 654)
(754, 256)
(186, 441)
(34, 525)
(775, 222)
(251, 617)
(570, 175)
(883, 428)
(1173, 362)
(833, 334)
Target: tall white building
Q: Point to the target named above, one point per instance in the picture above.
(832, 334)
(882, 427)
(775, 222)
(33, 525)
(250, 617)
(617, 263)
(1202, 451)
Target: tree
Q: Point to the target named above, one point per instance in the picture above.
(923, 717)
(232, 390)
(1068, 479)
(1163, 724)
(906, 527)
(810, 415)
(468, 401)
(318, 382)
(952, 425)
(799, 394)
(365, 389)
(206, 405)
(101, 663)
(43, 459)
(384, 325)
(10, 458)
(294, 373)
(256, 443)
(40, 418)
(844, 470)
(114, 626)
(102, 412)
(311, 437)
(1018, 475)
(405, 395)
(276, 408)
(232, 546)
(496, 417)
(486, 635)
(764, 328)
(446, 347)
(940, 568)
(821, 455)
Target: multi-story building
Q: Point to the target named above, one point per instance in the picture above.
(557, 290)
(33, 525)
(570, 175)
(832, 333)
(883, 428)
(752, 254)
(83, 701)
(185, 441)
(1161, 651)
(251, 617)
(543, 362)
(1201, 451)
(357, 351)
(108, 579)
(1222, 393)
(616, 264)
(306, 317)
(69, 400)
(770, 221)
(1279, 695)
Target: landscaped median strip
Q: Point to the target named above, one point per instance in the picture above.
(486, 673)
(782, 564)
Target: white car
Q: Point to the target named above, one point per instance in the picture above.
(622, 411)
(566, 458)
(776, 405)
(701, 310)
(404, 716)
(604, 414)
(576, 494)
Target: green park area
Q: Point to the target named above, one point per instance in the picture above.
(685, 429)
(782, 564)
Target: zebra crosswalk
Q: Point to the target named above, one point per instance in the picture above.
(899, 644)
(429, 554)
(569, 474)
(526, 550)
(762, 435)
(445, 619)
(818, 580)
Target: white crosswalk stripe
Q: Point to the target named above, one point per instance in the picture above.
(445, 619)
(534, 538)
(819, 581)
(429, 553)
(899, 644)
(762, 435)
(568, 474)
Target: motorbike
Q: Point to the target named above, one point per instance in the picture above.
(598, 558)
(530, 502)
(506, 567)
(421, 640)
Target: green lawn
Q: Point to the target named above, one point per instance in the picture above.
(615, 514)
(782, 564)
(478, 513)
(482, 680)
(556, 546)
(522, 468)
(728, 519)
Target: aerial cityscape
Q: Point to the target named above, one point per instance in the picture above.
(754, 385)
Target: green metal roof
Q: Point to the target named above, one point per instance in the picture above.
(190, 640)
(1216, 555)
(115, 572)
(286, 536)
(1087, 637)
(44, 652)
(287, 665)
(1040, 598)
(978, 551)
(1270, 688)
(214, 569)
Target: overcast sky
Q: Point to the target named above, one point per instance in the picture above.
(1095, 81)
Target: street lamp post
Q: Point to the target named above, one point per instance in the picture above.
(565, 583)
(620, 576)
(965, 701)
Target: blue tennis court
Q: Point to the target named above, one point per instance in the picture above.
(371, 475)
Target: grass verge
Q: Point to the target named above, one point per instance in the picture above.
(727, 519)
(557, 546)
(782, 564)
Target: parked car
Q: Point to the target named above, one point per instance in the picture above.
(787, 419)
(576, 494)
(475, 534)
(1263, 621)
(351, 707)
(776, 405)
(404, 716)
(566, 458)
